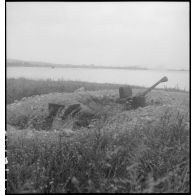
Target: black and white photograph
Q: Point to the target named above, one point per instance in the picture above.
(98, 97)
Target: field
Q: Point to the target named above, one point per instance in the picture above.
(19, 88)
(132, 151)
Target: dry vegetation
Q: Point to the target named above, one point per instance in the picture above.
(142, 150)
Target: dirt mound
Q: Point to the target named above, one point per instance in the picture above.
(146, 116)
(60, 110)
(81, 109)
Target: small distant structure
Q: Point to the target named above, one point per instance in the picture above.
(80, 89)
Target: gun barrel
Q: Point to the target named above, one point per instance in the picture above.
(164, 79)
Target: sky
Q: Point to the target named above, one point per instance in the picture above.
(147, 34)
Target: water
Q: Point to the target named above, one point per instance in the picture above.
(176, 79)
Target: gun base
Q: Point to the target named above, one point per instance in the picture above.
(138, 101)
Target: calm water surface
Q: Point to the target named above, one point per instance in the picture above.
(145, 78)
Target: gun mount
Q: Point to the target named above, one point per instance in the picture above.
(139, 99)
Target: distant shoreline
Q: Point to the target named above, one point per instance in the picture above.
(20, 63)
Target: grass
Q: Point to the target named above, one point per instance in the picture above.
(152, 159)
(19, 88)
(123, 152)
(16, 89)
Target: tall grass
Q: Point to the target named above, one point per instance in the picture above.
(19, 88)
(152, 159)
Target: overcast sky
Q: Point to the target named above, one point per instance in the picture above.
(149, 34)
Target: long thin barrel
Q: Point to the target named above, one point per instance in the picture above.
(164, 79)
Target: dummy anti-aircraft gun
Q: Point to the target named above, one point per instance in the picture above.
(139, 99)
